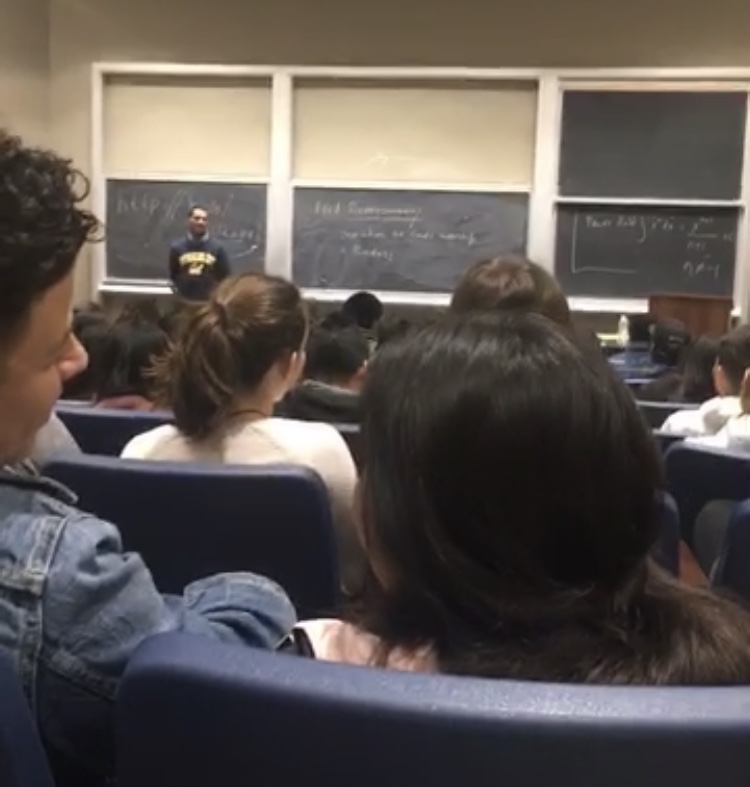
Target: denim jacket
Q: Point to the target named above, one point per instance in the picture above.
(73, 607)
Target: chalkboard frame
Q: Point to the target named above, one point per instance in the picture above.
(561, 201)
(544, 197)
(343, 192)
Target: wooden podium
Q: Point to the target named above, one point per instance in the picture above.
(701, 314)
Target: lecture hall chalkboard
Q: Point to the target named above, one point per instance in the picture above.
(144, 217)
(402, 241)
(621, 252)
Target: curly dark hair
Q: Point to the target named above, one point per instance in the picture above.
(42, 226)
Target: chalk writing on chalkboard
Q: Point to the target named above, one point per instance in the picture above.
(144, 217)
(636, 251)
(399, 240)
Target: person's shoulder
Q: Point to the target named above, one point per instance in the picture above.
(310, 434)
(142, 445)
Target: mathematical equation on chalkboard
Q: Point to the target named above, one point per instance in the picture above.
(697, 234)
(619, 251)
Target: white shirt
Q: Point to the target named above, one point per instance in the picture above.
(709, 419)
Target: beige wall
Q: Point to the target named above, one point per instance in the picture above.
(379, 32)
(24, 68)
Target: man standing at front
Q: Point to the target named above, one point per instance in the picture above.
(197, 262)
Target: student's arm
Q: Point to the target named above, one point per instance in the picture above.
(99, 604)
(223, 268)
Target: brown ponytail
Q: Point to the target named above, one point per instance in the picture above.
(226, 347)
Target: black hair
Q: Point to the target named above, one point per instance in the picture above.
(697, 368)
(42, 227)
(508, 508)
(127, 358)
(734, 356)
(195, 207)
(335, 356)
(669, 338)
(337, 320)
(364, 308)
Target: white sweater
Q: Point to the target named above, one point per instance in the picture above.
(271, 441)
(709, 419)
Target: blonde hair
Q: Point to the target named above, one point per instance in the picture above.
(226, 346)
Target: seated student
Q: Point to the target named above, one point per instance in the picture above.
(732, 360)
(237, 357)
(334, 371)
(91, 328)
(365, 310)
(73, 606)
(508, 510)
(513, 283)
(127, 359)
(693, 380)
(390, 328)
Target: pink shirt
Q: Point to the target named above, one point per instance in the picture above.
(334, 640)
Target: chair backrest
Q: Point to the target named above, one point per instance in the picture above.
(23, 762)
(194, 713)
(667, 550)
(733, 567)
(697, 474)
(665, 440)
(107, 432)
(656, 413)
(189, 521)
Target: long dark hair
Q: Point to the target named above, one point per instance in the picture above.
(508, 508)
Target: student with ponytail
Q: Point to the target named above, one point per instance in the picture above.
(236, 356)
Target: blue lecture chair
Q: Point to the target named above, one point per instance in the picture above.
(665, 440)
(656, 413)
(696, 475)
(189, 521)
(106, 432)
(733, 567)
(194, 713)
(23, 762)
(667, 551)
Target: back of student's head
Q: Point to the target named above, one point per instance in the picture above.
(510, 283)
(226, 348)
(508, 507)
(91, 328)
(697, 370)
(127, 359)
(732, 360)
(336, 356)
(364, 308)
(669, 338)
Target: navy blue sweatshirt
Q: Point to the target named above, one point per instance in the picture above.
(196, 266)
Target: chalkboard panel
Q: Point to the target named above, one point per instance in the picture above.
(144, 217)
(678, 145)
(403, 241)
(623, 252)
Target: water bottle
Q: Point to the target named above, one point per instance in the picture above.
(623, 330)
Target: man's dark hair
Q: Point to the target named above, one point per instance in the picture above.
(335, 356)
(42, 226)
(195, 207)
(640, 328)
(364, 308)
